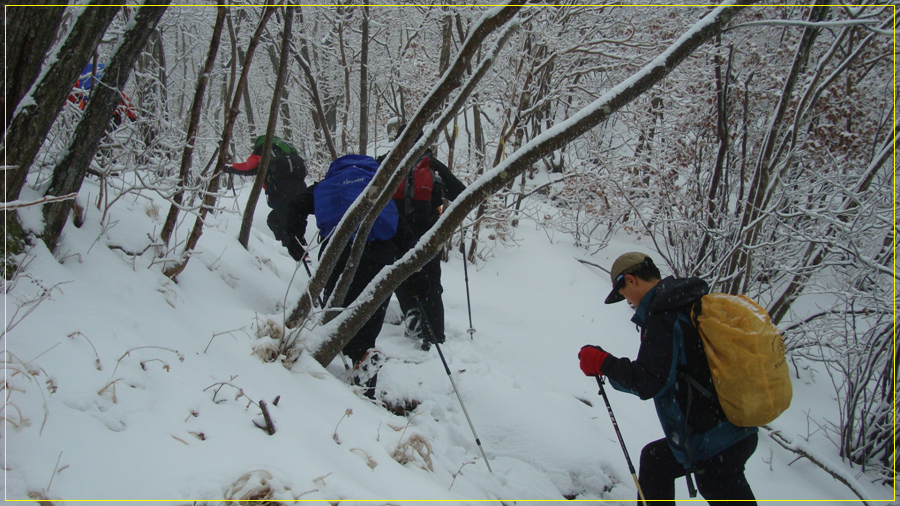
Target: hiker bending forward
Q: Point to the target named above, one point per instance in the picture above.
(699, 440)
(328, 200)
(285, 182)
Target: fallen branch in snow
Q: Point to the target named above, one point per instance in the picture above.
(807, 452)
(215, 335)
(270, 427)
(592, 264)
(464, 464)
(113, 385)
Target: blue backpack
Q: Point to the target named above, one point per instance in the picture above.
(346, 178)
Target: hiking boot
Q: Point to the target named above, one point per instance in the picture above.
(427, 342)
(365, 372)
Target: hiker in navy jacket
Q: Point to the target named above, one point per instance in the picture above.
(699, 440)
(383, 247)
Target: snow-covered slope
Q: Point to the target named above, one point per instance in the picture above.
(126, 386)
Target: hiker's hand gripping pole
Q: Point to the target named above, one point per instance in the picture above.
(621, 441)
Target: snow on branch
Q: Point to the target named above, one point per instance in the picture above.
(806, 451)
(16, 204)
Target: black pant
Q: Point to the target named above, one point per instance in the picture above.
(431, 302)
(720, 478)
(365, 337)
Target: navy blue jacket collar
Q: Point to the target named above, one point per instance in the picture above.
(640, 314)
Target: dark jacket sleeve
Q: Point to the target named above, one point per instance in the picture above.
(452, 185)
(290, 209)
(405, 238)
(653, 369)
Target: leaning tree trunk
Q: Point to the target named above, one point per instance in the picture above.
(209, 200)
(319, 115)
(193, 126)
(70, 171)
(29, 126)
(247, 222)
(344, 327)
(27, 41)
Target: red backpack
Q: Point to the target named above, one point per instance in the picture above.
(419, 184)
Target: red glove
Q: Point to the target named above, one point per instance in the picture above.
(592, 358)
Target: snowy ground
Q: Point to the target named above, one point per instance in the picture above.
(126, 386)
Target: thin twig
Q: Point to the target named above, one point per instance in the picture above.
(16, 204)
(592, 264)
(54, 472)
(217, 335)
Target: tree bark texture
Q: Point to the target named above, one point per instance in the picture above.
(70, 171)
(319, 116)
(212, 189)
(364, 84)
(247, 221)
(29, 126)
(27, 41)
(193, 125)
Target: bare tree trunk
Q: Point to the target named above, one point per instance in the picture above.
(28, 127)
(209, 200)
(247, 222)
(27, 41)
(724, 137)
(70, 171)
(152, 95)
(194, 125)
(479, 164)
(364, 84)
(286, 131)
(343, 328)
(446, 41)
(345, 63)
(317, 101)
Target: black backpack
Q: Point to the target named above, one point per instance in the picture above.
(285, 162)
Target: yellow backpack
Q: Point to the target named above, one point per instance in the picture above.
(745, 352)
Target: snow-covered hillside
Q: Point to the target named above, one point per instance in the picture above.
(123, 385)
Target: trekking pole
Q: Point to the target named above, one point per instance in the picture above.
(621, 441)
(309, 272)
(462, 249)
(447, 369)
